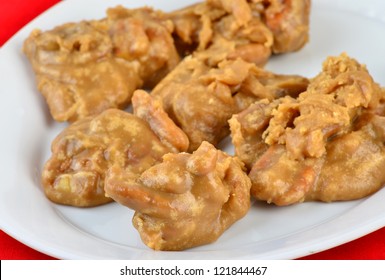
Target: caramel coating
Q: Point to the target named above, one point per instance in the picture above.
(143, 36)
(87, 67)
(201, 98)
(223, 29)
(185, 201)
(251, 30)
(83, 152)
(289, 22)
(327, 144)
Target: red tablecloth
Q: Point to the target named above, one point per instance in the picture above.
(14, 15)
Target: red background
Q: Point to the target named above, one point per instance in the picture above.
(14, 14)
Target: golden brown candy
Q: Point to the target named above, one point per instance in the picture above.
(327, 144)
(83, 152)
(185, 201)
(87, 67)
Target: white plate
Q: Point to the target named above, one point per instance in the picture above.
(105, 232)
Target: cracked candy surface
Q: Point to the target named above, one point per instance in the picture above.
(327, 144)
